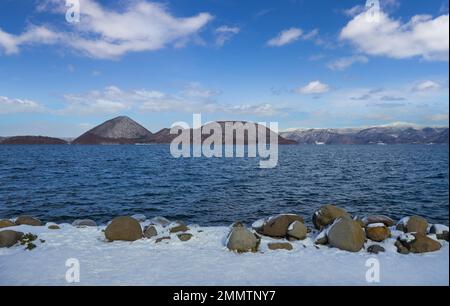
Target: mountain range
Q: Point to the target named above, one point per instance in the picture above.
(124, 130)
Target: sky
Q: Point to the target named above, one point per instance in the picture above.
(301, 63)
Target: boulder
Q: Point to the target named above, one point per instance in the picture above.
(28, 220)
(321, 238)
(83, 223)
(240, 239)
(326, 215)
(401, 248)
(53, 227)
(280, 246)
(150, 232)
(435, 229)
(160, 221)
(139, 217)
(123, 228)
(6, 223)
(377, 232)
(378, 219)
(375, 249)
(413, 224)
(297, 230)
(418, 243)
(277, 226)
(8, 238)
(346, 234)
(177, 227)
(184, 236)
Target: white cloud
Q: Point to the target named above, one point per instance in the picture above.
(314, 87)
(427, 86)
(422, 36)
(345, 62)
(225, 33)
(12, 105)
(285, 37)
(104, 33)
(195, 90)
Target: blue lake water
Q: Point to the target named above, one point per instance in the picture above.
(63, 183)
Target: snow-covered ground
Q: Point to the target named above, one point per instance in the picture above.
(204, 260)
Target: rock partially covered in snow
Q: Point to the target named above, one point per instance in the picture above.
(84, 223)
(184, 236)
(150, 231)
(123, 228)
(139, 217)
(160, 221)
(346, 234)
(378, 219)
(297, 230)
(6, 223)
(277, 226)
(28, 220)
(377, 232)
(417, 243)
(326, 215)
(438, 229)
(177, 227)
(413, 224)
(321, 238)
(8, 238)
(280, 246)
(240, 239)
(375, 249)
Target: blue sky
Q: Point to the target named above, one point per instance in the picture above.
(301, 63)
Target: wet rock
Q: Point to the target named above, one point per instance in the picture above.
(326, 215)
(123, 228)
(297, 230)
(28, 220)
(375, 249)
(8, 238)
(277, 226)
(280, 246)
(346, 234)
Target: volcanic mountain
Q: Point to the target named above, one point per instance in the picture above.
(32, 140)
(120, 130)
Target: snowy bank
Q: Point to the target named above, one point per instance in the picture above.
(204, 260)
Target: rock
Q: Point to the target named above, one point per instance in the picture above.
(377, 232)
(184, 236)
(360, 221)
(28, 220)
(150, 232)
(162, 239)
(297, 230)
(8, 238)
(326, 215)
(322, 238)
(6, 223)
(401, 248)
(242, 240)
(443, 236)
(419, 243)
(434, 229)
(280, 246)
(414, 224)
(277, 226)
(123, 228)
(160, 221)
(53, 227)
(177, 227)
(346, 234)
(139, 217)
(375, 249)
(83, 223)
(378, 219)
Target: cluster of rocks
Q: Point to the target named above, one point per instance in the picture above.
(333, 226)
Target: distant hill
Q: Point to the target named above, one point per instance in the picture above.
(402, 134)
(32, 140)
(120, 130)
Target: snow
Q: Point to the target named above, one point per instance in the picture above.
(407, 237)
(440, 228)
(403, 221)
(259, 223)
(376, 225)
(204, 260)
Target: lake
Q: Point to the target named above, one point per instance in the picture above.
(64, 183)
